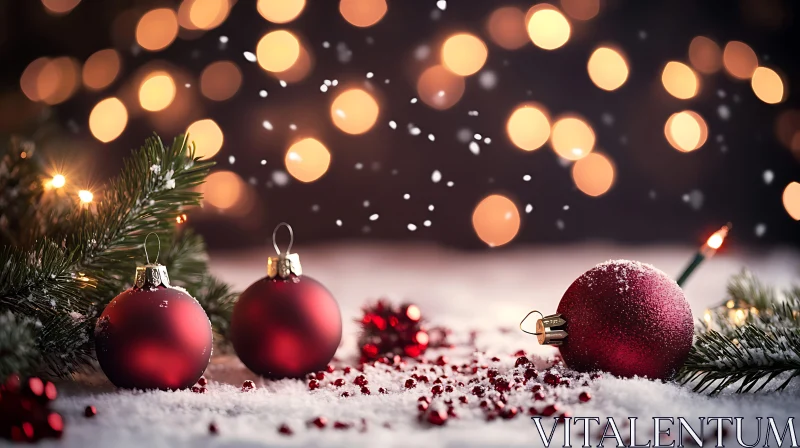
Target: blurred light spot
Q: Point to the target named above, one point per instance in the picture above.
(354, 111)
(787, 130)
(85, 196)
(280, 11)
(157, 91)
(307, 160)
(767, 85)
(791, 200)
(108, 119)
(607, 68)
(277, 51)
(207, 137)
(440, 88)
(58, 80)
(58, 181)
(705, 55)
(299, 70)
(464, 54)
(528, 127)
(581, 9)
(686, 131)
(506, 27)
(496, 220)
(208, 14)
(739, 59)
(220, 80)
(101, 69)
(29, 80)
(60, 6)
(363, 13)
(223, 189)
(572, 138)
(548, 28)
(680, 80)
(593, 174)
(157, 29)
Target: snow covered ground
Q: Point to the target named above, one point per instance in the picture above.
(489, 292)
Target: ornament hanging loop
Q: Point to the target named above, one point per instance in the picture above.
(275, 239)
(541, 316)
(146, 256)
(550, 330)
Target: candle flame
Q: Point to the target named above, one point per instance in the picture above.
(715, 240)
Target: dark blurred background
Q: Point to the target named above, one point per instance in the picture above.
(659, 195)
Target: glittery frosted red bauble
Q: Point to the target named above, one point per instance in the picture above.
(286, 327)
(153, 338)
(626, 318)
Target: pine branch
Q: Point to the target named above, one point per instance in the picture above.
(217, 300)
(17, 345)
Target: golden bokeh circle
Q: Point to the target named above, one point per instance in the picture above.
(528, 127)
(686, 131)
(548, 28)
(464, 54)
(157, 91)
(277, 51)
(354, 111)
(206, 136)
(572, 138)
(108, 119)
(363, 13)
(680, 80)
(157, 29)
(220, 80)
(506, 27)
(593, 174)
(307, 160)
(496, 220)
(440, 88)
(608, 68)
(768, 85)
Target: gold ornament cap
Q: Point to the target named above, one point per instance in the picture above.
(285, 263)
(550, 330)
(151, 275)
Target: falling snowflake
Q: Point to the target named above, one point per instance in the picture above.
(436, 176)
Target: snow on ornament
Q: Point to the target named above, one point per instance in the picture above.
(623, 317)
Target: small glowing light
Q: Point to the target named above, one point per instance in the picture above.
(680, 80)
(220, 80)
(413, 312)
(157, 91)
(767, 85)
(363, 13)
(715, 241)
(354, 111)
(581, 9)
(739, 59)
(528, 127)
(593, 174)
(277, 51)
(686, 131)
(207, 14)
(496, 220)
(108, 119)
(464, 54)
(182, 218)
(280, 11)
(440, 88)
(59, 7)
(572, 138)
(157, 29)
(707, 316)
(421, 337)
(307, 160)
(548, 28)
(506, 27)
(739, 317)
(101, 69)
(207, 137)
(705, 55)
(58, 181)
(791, 200)
(85, 196)
(30, 76)
(608, 68)
(58, 80)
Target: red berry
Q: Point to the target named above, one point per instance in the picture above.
(552, 379)
(520, 353)
(566, 382)
(550, 410)
(285, 430)
(484, 404)
(509, 413)
(320, 375)
(425, 399)
(381, 390)
(533, 411)
(538, 396)
(410, 383)
(437, 389)
(584, 397)
(437, 417)
(463, 399)
(422, 406)
(422, 379)
(502, 385)
(248, 385)
(345, 394)
(347, 370)
(319, 422)
(365, 390)
(339, 382)
(195, 389)
(522, 361)
(441, 361)
(361, 380)
(313, 384)
(448, 388)
(495, 359)
(342, 425)
(212, 428)
(202, 381)
(329, 368)
(203, 390)
(478, 390)
(90, 411)
(492, 373)
(437, 381)
(531, 373)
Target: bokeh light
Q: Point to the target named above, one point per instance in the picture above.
(572, 138)
(223, 190)
(157, 91)
(506, 27)
(608, 68)
(705, 55)
(280, 11)
(363, 13)
(686, 131)
(157, 29)
(548, 28)
(58, 181)
(85, 196)
(440, 88)
(277, 51)
(206, 136)
(208, 14)
(496, 220)
(581, 9)
(307, 160)
(58, 80)
(680, 80)
(299, 70)
(528, 126)
(108, 119)
(787, 130)
(791, 200)
(59, 7)
(767, 85)
(593, 174)
(101, 69)
(29, 80)
(464, 54)
(739, 59)
(220, 80)
(354, 111)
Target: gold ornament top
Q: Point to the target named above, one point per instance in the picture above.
(284, 265)
(151, 276)
(550, 330)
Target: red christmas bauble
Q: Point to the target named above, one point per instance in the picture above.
(626, 318)
(153, 336)
(286, 327)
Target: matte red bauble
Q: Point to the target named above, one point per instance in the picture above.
(623, 317)
(286, 324)
(153, 336)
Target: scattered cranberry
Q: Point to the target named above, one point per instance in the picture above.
(347, 370)
(538, 396)
(248, 385)
(522, 361)
(313, 384)
(502, 385)
(451, 412)
(422, 406)
(365, 390)
(441, 361)
(345, 394)
(410, 383)
(533, 411)
(478, 390)
(566, 382)
(495, 359)
(285, 430)
(195, 389)
(329, 368)
(437, 417)
(202, 381)
(552, 379)
(449, 388)
(531, 373)
(437, 381)
(584, 397)
(361, 380)
(425, 399)
(509, 413)
(463, 399)
(320, 375)
(492, 373)
(484, 404)
(550, 410)
(212, 428)
(339, 382)
(342, 425)
(319, 422)
(90, 411)
(437, 389)
(423, 379)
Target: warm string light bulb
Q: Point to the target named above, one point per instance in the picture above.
(58, 181)
(85, 196)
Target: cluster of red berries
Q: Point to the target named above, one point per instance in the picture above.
(25, 414)
(389, 330)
